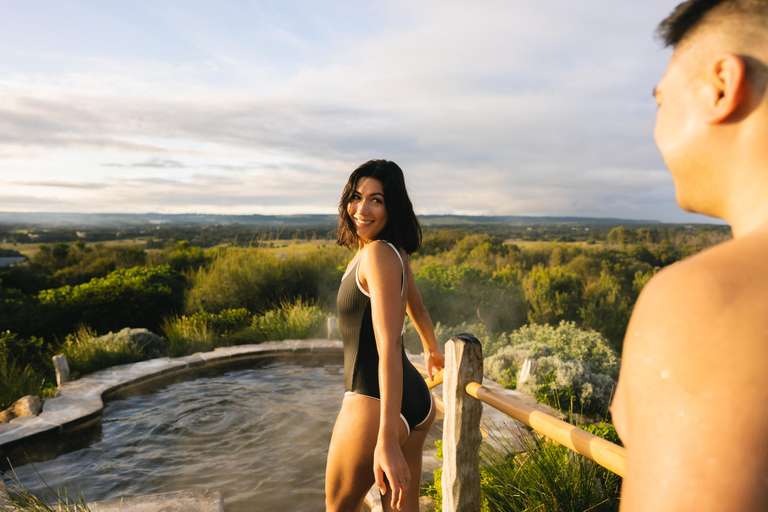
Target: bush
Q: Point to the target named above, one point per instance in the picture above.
(298, 320)
(202, 332)
(577, 369)
(87, 353)
(25, 369)
(140, 297)
(259, 281)
(546, 476)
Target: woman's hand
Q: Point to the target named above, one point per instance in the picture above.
(388, 461)
(434, 361)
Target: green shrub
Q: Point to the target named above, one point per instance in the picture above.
(202, 332)
(577, 370)
(543, 476)
(87, 353)
(554, 294)
(259, 281)
(297, 320)
(546, 476)
(137, 297)
(25, 368)
(19, 312)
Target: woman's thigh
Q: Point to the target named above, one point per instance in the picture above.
(349, 471)
(413, 451)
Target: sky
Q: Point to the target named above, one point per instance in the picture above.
(511, 107)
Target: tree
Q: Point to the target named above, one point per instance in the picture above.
(554, 294)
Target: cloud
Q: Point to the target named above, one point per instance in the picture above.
(494, 107)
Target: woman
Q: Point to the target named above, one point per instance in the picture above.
(387, 408)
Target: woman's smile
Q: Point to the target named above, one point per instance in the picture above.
(367, 209)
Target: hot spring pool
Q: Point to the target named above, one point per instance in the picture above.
(259, 434)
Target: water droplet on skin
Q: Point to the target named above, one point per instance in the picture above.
(665, 374)
(637, 334)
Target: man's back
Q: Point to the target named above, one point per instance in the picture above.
(692, 400)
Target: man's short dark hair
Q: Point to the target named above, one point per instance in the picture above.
(690, 14)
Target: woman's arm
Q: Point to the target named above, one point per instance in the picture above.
(380, 273)
(433, 358)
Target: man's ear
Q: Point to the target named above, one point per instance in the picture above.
(728, 81)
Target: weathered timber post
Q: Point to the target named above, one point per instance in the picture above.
(62, 369)
(332, 325)
(461, 426)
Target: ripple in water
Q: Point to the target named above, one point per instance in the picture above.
(259, 435)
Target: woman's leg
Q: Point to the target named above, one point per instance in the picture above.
(413, 451)
(349, 471)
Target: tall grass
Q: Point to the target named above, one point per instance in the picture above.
(21, 499)
(86, 354)
(296, 320)
(547, 476)
(259, 281)
(543, 476)
(17, 381)
(203, 332)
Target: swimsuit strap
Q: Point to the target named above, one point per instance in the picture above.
(402, 266)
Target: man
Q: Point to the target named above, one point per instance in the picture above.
(692, 400)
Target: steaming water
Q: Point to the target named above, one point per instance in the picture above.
(258, 435)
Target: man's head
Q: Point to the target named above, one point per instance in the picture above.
(709, 97)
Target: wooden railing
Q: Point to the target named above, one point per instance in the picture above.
(462, 397)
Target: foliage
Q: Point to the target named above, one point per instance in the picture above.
(87, 353)
(554, 294)
(462, 294)
(577, 369)
(181, 257)
(296, 320)
(259, 281)
(606, 308)
(139, 297)
(204, 331)
(546, 476)
(19, 313)
(22, 499)
(25, 368)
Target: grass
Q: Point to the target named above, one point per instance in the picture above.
(21, 499)
(85, 354)
(17, 381)
(296, 320)
(545, 476)
(203, 332)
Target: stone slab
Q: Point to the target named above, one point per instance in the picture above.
(191, 500)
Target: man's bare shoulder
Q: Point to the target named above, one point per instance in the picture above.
(693, 378)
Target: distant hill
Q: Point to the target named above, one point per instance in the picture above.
(122, 220)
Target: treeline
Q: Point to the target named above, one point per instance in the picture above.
(183, 291)
(470, 277)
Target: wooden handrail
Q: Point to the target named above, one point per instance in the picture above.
(605, 453)
(437, 379)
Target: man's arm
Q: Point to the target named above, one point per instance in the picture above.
(691, 404)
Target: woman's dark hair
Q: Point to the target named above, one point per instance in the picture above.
(402, 228)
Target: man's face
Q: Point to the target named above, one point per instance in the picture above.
(678, 124)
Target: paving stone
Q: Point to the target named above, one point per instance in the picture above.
(192, 500)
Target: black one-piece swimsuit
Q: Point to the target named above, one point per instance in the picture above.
(361, 357)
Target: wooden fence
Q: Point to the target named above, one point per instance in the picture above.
(462, 397)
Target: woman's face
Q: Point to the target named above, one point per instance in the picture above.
(367, 210)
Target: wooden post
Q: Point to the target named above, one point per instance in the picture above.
(332, 325)
(461, 426)
(62, 369)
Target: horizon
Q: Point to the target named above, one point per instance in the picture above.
(494, 109)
